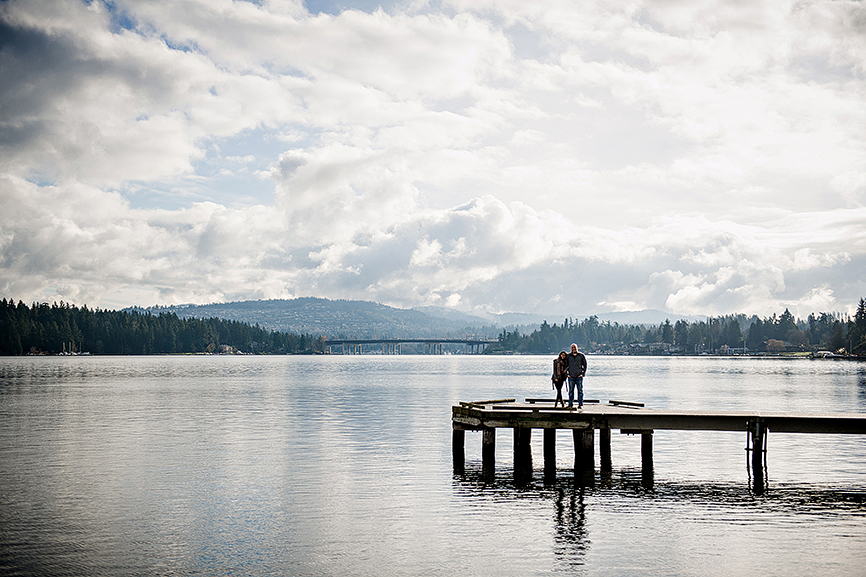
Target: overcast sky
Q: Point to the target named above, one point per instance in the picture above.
(569, 158)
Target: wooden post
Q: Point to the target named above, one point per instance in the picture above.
(646, 449)
(584, 445)
(758, 433)
(488, 452)
(584, 456)
(646, 458)
(458, 437)
(522, 452)
(549, 455)
(604, 449)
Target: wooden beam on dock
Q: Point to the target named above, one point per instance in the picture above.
(508, 413)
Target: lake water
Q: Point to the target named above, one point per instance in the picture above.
(341, 465)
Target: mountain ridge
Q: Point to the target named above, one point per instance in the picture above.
(368, 319)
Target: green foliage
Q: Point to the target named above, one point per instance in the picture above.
(53, 329)
(773, 334)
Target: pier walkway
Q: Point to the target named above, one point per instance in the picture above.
(628, 418)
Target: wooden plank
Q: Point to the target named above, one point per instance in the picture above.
(650, 419)
(625, 403)
(533, 401)
(536, 424)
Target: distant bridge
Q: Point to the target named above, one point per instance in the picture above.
(395, 346)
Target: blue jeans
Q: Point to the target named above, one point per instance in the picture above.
(572, 382)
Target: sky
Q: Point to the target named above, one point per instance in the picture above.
(551, 157)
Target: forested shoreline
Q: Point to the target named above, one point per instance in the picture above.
(63, 328)
(732, 334)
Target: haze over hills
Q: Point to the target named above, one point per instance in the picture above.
(335, 318)
(364, 319)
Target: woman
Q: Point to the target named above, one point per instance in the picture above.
(559, 376)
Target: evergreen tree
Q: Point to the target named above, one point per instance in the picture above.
(50, 329)
(857, 335)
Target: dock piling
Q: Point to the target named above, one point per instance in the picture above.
(630, 419)
(604, 449)
(522, 453)
(458, 454)
(488, 452)
(584, 448)
(646, 459)
(549, 454)
(758, 435)
(584, 456)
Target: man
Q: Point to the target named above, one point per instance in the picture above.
(575, 369)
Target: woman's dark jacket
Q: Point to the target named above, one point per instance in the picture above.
(558, 370)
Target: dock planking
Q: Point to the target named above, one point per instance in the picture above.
(629, 418)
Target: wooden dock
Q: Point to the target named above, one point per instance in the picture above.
(628, 418)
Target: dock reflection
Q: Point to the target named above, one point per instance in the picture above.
(570, 538)
(574, 507)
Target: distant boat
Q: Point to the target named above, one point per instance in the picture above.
(827, 355)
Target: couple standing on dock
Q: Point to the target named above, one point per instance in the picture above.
(572, 367)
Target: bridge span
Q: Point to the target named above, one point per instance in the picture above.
(395, 346)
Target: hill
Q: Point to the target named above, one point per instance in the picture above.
(336, 318)
(370, 320)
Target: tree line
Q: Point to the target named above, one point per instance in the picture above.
(827, 331)
(51, 329)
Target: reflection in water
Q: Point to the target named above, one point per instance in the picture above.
(568, 495)
(861, 382)
(272, 466)
(573, 505)
(570, 537)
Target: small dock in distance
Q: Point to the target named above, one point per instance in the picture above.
(628, 418)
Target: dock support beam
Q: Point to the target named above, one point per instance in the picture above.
(646, 458)
(584, 455)
(458, 440)
(758, 433)
(549, 455)
(488, 452)
(604, 449)
(522, 453)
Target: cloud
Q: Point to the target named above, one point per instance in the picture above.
(701, 158)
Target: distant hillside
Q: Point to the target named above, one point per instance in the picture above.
(364, 319)
(334, 319)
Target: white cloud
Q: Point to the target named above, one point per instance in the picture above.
(701, 158)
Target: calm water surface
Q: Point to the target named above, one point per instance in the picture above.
(342, 466)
